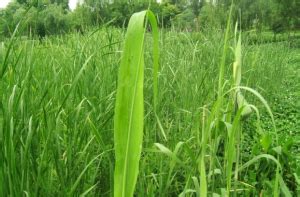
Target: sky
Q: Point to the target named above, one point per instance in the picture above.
(3, 3)
(72, 3)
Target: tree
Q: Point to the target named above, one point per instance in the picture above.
(54, 19)
(80, 18)
(63, 3)
(288, 12)
(196, 6)
(22, 1)
(8, 21)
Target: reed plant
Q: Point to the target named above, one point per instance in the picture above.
(73, 122)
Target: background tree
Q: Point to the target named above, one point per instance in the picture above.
(8, 20)
(53, 16)
(80, 18)
(54, 19)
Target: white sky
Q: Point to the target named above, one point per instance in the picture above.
(73, 3)
(3, 3)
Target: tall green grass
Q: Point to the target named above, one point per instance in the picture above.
(58, 105)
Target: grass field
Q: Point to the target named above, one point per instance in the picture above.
(57, 116)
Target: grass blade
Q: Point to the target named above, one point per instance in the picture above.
(129, 109)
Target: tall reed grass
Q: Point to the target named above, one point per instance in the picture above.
(63, 109)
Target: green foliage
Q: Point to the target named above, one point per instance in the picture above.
(185, 20)
(169, 11)
(57, 107)
(80, 18)
(257, 15)
(212, 17)
(129, 108)
(54, 19)
(57, 101)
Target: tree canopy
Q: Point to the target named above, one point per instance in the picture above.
(48, 17)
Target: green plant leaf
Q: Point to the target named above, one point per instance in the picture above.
(129, 108)
(237, 75)
(266, 141)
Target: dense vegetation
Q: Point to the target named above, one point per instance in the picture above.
(219, 117)
(46, 17)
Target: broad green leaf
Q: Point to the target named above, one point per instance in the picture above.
(241, 102)
(266, 141)
(129, 108)
(237, 72)
(237, 75)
